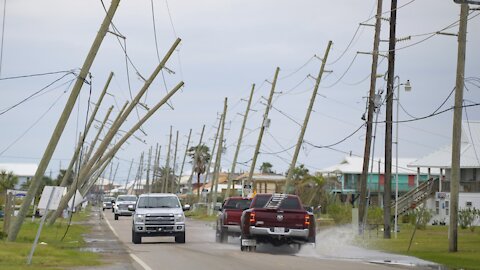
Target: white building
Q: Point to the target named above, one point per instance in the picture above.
(24, 171)
(469, 195)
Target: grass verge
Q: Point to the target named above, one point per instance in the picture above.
(51, 252)
(431, 244)
(201, 214)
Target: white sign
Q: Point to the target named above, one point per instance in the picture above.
(78, 200)
(56, 197)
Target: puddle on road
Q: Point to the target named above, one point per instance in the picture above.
(92, 249)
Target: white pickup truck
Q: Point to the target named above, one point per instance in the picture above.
(158, 214)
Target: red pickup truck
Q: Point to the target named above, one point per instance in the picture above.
(278, 219)
(228, 221)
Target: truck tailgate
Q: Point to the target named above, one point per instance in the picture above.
(292, 219)
(233, 216)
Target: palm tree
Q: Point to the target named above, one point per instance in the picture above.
(200, 156)
(7, 181)
(266, 167)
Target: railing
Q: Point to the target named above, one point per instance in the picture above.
(415, 196)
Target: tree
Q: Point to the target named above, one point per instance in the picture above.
(7, 181)
(46, 181)
(310, 188)
(266, 167)
(300, 172)
(60, 176)
(200, 157)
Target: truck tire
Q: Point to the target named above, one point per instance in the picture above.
(180, 238)
(116, 216)
(136, 238)
(221, 235)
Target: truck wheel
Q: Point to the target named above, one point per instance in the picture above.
(116, 217)
(221, 236)
(243, 248)
(103, 209)
(136, 238)
(180, 238)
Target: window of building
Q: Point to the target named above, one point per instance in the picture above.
(437, 207)
(468, 204)
(447, 207)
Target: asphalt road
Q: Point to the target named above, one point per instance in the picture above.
(202, 252)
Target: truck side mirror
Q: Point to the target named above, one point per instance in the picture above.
(186, 207)
(131, 207)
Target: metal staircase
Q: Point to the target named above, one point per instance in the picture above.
(416, 196)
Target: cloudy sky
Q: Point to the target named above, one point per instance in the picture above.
(226, 46)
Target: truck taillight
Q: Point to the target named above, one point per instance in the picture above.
(252, 218)
(307, 221)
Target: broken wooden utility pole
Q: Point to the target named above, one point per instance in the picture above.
(262, 128)
(239, 143)
(218, 160)
(289, 186)
(362, 203)
(457, 130)
(167, 164)
(68, 173)
(57, 133)
(190, 189)
(184, 157)
(110, 153)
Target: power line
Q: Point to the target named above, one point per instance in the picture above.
(338, 142)
(471, 138)
(36, 121)
(36, 93)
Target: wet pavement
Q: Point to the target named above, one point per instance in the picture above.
(102, 240)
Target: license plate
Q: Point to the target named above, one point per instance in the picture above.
(249, 242)
(279, 230)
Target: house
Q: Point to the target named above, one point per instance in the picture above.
(261, 183)
(347, 175)
(24, 171)
(469, 195)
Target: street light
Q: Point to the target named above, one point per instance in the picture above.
(408, 88)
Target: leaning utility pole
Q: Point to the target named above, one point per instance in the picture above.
(57, 133)
(82, 138)
(362, 202)
(218, 159)
(156, 175)
(174, 182)
(128, 176)
(262, 128)
(207, 171)
(110, 153)
(185, 156)
(167, 165)
(190, 190)
(288, 185)
(457, 130)
(240, 138)
(387, 187)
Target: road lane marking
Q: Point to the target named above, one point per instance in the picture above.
(138, 260)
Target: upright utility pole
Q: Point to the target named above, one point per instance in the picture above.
(174, 182)
(457, 130)
(387, 195)
(185, 156)
(193, 165)
(167, 165)
(156, 175)
(57, 133)
(263, 127)
(148, 187)
(239, 143)
(218, 159)
(362, 202)
(288, 185)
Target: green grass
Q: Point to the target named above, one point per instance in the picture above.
(432, 245)
(201, 214)
(55, 254)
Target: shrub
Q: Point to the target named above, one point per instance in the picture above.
(466, 217)
(375, 215)
(341, 213)
(420, 218)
